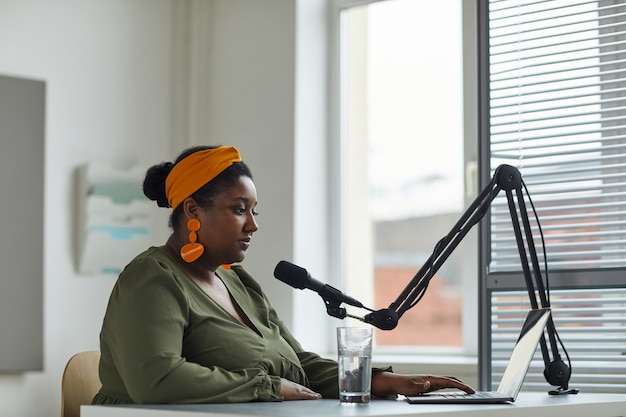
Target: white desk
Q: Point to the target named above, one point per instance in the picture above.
(527, 404)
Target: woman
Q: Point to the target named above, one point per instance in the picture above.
(186, 324)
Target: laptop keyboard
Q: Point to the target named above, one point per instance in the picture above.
(465, 395)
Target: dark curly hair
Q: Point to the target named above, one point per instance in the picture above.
(154, 183)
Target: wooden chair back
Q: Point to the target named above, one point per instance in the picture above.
(80, 382)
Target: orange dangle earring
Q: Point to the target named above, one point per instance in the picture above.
(192, 250)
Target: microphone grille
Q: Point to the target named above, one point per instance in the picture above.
(291, 274)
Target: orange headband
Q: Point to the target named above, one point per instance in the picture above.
(196, 170)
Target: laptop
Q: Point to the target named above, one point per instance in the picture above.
(513, 375)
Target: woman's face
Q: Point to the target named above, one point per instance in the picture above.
(227, 226)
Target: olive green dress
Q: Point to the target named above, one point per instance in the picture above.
(163, 340)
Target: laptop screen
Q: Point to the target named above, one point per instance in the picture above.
(523, 352)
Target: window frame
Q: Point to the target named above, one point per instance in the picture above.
(467, 354)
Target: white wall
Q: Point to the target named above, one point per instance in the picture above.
(106, 64)
(251, 105)
(267, 95)
(134, 82)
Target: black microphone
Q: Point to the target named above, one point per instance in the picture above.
(298, 277)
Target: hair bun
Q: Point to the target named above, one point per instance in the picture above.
(154, 183)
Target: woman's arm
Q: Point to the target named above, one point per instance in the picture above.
(387, 383)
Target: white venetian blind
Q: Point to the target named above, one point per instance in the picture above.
(558, 113)
(557, 103)
(592, 326)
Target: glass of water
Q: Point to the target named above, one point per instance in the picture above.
(354, 346)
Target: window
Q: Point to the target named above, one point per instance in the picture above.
(556, 100)
(401, 147)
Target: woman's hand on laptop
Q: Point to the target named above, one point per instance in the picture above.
(387, 383)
